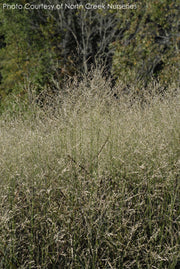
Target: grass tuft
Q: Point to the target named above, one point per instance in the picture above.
(91, 182)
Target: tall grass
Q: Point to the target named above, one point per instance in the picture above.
(92, 183)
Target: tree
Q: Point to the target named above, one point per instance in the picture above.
(28, 52)
(149, 47)
(134, 40)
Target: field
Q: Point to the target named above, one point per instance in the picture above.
(91, 182)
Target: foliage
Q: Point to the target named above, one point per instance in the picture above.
(28, 51)
(149, 46)
(94, 185)
(45, 47)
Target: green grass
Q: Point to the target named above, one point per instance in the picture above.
(93, 184)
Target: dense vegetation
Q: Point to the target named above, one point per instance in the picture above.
(43, 47)
(93, 184)
(89, 136)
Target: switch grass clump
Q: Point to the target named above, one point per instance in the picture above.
(92, 181)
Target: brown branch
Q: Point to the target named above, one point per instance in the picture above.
(80, 166)
(103, 145)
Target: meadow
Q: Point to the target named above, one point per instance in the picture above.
(91, 181)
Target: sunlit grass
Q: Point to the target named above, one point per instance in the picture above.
(93, 184)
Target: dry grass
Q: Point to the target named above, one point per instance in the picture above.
(93, 185)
